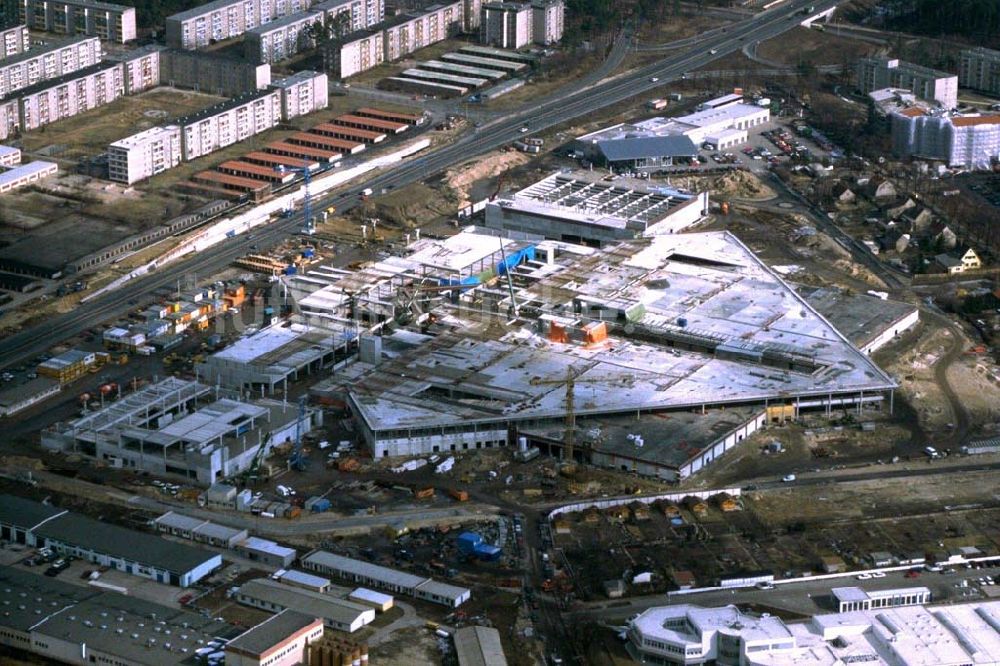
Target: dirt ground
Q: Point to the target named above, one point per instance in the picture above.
(742, 185)
(977, 382)
(815, 47)
(914, 369)
(461, 178)
(414, 646)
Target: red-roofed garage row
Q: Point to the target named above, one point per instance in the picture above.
(371, 124)
(371, 112)
(317, 140)
(348, 133)
(273, 161)
(256, 172)
(233, 182)
(324, 154)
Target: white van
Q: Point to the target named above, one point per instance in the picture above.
(932, 452)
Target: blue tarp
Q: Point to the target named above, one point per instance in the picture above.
(515, 258)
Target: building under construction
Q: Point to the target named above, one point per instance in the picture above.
(668, 324)
(182, 428)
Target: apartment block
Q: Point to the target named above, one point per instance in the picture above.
(113, 23)
(217, 75)
(72, 94)
(230, 122)
(222, 19)
(10, 117)
(356, 53)
(971, 142)
(282, 38)
(409, 32)
(471, 15)
(547, 21)
(979, 69)
(364, 13)
(47, 62)
(506, 25)
(145, 154)
(13, 41)
(142, 68)
(926, 83)
(302, 93)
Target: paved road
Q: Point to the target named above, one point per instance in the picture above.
(805, 597)
(551, 113)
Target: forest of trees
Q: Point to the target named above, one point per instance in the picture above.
(978, 21)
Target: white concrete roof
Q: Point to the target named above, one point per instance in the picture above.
(711, 282)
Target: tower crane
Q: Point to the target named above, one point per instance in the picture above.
(569, 434)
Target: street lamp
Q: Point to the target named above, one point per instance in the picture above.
(306, 173)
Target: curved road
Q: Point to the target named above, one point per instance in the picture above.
(549, 113)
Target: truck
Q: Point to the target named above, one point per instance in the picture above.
(458, 495)
(656, 104)
(365, 193)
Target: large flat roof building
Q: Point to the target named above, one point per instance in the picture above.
(102, 543)
(335, 613)
(479, 646)
(72, 624)
(281, 640)
(964, 633)
(110, 22)
(667, 323)
(180, 428)
(581, 207)
(656, 144)
(373, 575)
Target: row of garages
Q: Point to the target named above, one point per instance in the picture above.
(460, 72)
(280, 162)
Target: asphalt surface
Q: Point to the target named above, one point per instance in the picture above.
(547, 113)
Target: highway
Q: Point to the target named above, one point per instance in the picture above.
(545, 114)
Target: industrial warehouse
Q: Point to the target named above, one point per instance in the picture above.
(182, 428)
(582, 208)
(40, 525)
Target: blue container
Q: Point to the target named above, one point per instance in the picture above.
(468, 542)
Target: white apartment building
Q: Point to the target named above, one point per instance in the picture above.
(13, 41)
(547, 21)
(302, 93)
(113, 23)
(926, 83)
(10, 117)
(228, 123)
(280, 39)
(356, 53)
(142, 68)
(364, 13)
(979, 69)
(145, 154)
(222, 19)
(409, 32)
(971, 142)
(472, 11)
(72, 94)
(48, 62)
(506, 25)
